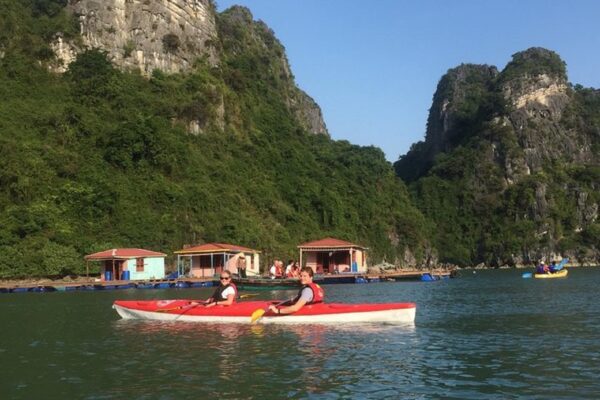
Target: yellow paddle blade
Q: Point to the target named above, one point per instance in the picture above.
(245, 296)
(256, 315)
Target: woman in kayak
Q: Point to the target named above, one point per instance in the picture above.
(310, 293)
(225, 294)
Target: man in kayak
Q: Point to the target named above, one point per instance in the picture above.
(225, 294)
(542, 268)
(310, 293)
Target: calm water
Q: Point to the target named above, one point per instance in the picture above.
(488, 335)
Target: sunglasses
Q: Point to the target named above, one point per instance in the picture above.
(225, 278)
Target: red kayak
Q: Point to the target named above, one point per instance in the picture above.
(321, 313)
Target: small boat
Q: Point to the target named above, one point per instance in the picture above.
(560, 274)
(321, 313)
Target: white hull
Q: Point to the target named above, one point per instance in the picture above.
(395, 316)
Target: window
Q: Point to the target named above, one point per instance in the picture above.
(139, 265)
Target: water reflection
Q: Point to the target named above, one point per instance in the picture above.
(303, 359)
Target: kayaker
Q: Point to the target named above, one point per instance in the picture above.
(540, 268)
(553, 268)
(546, 269)
(225, 294)
(310, 293)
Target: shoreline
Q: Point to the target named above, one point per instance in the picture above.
(95, 279)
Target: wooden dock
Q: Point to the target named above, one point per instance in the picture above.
(183, 283)
(93, 284)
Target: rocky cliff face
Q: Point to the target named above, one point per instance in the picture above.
(251, 44)
(537, 100)
(171, 35)
(147, 34)
(511, 141)
(452, 104)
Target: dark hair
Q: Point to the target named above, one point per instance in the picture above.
(308, 270)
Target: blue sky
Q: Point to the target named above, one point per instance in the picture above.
(373, 66)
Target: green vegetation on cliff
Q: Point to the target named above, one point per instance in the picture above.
(99, 158)
(509, 185)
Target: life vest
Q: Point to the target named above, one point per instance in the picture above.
(540, 269)
(218, 294)
(318, 293)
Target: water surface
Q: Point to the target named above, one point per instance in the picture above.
(486, 335)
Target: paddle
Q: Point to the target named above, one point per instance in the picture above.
(561, 264)
(245, 296)
(527, 275)
(257, 314)
(187, 307)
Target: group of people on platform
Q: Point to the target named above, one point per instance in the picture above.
(226, 294)
(543, 268)
(292, 270)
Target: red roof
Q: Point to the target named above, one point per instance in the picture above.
(123, 253)
(329, 243)
(215, 248)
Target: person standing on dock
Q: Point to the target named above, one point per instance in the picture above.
(241, 266)
(288, 269)
(310, 293)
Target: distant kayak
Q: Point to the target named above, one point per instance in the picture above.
(560, 274)
(321, 313)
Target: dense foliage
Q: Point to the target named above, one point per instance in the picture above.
(99, 158)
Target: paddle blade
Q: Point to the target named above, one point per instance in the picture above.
(527, 275)
(560, 266)
(256, 315)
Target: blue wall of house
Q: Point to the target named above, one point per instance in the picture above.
(154, 268)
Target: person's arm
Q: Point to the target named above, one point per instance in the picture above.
(291, 309)
(305, 297)
(207, 301)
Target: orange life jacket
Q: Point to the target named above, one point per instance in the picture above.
(318, 293)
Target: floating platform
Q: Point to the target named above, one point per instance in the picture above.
(93, 285)
(250, 284)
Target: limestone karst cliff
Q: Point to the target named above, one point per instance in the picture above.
(148, 34)
(505, 151)
(172, 35)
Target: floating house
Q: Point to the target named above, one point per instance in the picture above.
(130, 264)
(332, 255)
(206, 260)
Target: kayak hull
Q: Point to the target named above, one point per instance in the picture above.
(324, 313)
(560, 274)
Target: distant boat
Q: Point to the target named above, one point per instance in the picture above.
(560, 274)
